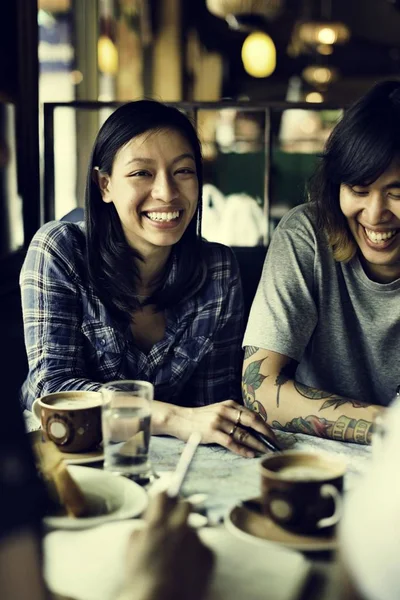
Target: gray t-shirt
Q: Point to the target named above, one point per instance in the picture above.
(342, 328)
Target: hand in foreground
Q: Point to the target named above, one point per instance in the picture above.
(222, 423)
(166, 559)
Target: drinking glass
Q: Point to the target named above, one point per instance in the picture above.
(126, 418)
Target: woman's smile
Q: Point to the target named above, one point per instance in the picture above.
(373, 216)
(165, 219)
(379, 239)
(154, 188)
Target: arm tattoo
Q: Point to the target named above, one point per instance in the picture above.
(251, 381)
(309, 392)
(333, 402)
(337, 401)
(285, 374)
(249, 351)
(344, 429)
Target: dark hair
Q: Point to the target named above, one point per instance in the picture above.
(360, 148)
(112, 268)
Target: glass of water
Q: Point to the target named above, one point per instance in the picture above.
(126, 418)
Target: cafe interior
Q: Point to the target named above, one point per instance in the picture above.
(264, 82)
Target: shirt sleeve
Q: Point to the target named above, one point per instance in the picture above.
(52, 313)
(218, 375)
(284, 314)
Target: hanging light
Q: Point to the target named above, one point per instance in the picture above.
(314, 97)
(320, 75)
(259, 54)
(224, 8)
(107, 55)
(319, 32)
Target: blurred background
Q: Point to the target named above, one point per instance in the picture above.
(264, 80)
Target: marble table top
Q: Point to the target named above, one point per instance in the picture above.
(227, 478)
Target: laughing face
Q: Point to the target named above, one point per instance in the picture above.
(373, 215)
(154, 188)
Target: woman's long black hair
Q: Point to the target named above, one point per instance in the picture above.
(360, 148)
(111, 260)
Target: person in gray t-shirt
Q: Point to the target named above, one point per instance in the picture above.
(323, 337)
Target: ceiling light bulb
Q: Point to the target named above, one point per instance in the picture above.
(327, 35)
(322, 75)
(319, 75)
(107, 55)
(317, 32)
(259, 54)
(314, 97)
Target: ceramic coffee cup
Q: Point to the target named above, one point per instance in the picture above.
(72, 420)
(301, 491)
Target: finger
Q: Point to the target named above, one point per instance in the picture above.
(235, 413)
(246, 438)
(179, 515)
(230, 418)
(159, 508)
(227, 441)
(231, 404)
(239, 415)
(254, 421)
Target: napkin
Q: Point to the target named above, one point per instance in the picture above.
(89, 564)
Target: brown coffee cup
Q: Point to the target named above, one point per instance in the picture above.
(301, 491)
(72, 420)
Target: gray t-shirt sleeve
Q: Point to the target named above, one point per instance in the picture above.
(284, 313)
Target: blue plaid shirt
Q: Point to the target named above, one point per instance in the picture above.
(73, 343)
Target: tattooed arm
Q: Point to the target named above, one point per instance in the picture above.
(269, 388)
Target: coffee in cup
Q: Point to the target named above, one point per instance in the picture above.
(301, 491)
(72, 420)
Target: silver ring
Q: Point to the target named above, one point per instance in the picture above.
(241, 436)
(232, 431)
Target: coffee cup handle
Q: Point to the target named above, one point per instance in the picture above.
(329, 491)
(36, 409)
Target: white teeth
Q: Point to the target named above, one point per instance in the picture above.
(163, 216)
(376, 236)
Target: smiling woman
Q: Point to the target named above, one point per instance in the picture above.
(373, 216)
(135, 292)
(323, 337)
(154, 188)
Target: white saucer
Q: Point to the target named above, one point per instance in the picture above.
(121, 497)
(83, 458)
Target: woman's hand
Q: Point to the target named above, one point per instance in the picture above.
(166, 559)
(219, 423)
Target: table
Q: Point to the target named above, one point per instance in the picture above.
(227, 479)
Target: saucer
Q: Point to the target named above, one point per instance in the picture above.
(84, 458)
(74, 458)
(248, 523)
(114, 498)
